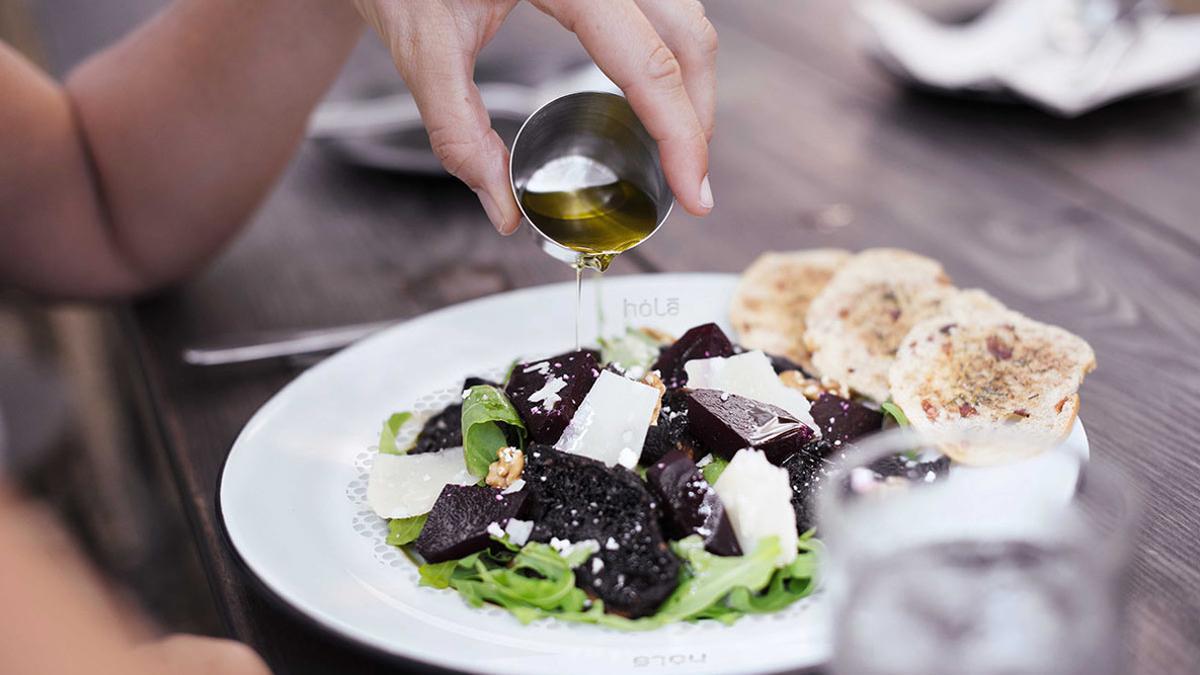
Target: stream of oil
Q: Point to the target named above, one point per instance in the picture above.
(598, 222)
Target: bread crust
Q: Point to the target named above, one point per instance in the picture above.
(772, 299)
(855, 325)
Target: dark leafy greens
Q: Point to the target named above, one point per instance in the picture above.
(391, 429)
(485, 410)
(535, 582)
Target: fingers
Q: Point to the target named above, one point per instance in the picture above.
(624, 44)
(688, 32)
(462, 137)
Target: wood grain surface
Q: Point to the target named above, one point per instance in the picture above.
(1093, 224)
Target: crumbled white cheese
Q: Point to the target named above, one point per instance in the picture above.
(704, 461)
(611, 544)
(548, 394)
(518, 530)
(567, 548)
(540, 368)
(495, 530)
(597, 565)
(628, 457)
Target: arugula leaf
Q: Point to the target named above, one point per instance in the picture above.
(893, 411)
(634, 349)
(391, 428)
(403, 531)
(713, 470)
(485, 410)
(712, 577)
(437, 575)
(509, 370)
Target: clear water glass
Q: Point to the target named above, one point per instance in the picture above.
(974, 573)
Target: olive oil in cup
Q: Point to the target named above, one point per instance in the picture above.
(586, 175)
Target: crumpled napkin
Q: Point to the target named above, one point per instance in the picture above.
(1016, 47)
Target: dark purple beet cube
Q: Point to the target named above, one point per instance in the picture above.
(723, 423)
(547, 393)
(690, 505)
(806, 471)
(842, 420)
(458, 524)
(702, 342)
(578, 498)
(915, 470)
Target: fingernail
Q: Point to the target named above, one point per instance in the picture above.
(493, 211)
(706, 198)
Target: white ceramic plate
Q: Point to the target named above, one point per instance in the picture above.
(292, 494)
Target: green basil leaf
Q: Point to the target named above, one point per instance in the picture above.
(485, 410)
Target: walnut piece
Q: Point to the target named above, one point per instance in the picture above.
(812, 388)
(507, 468)
(653, 379)
(659, 336)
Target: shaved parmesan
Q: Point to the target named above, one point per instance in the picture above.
(750, 375)
(612, 421)
(758, 499)
(402, 486)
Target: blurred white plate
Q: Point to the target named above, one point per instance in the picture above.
(292, 495)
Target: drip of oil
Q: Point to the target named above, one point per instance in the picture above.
(598, 221)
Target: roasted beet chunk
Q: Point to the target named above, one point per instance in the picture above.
(443, 430)
(806, 469)
(458, 524)
(842, 420)
(669, 432)
(577, 498)
(690, 505)
(782, 363)
(701, 342)
(723, 423)
(547, 393)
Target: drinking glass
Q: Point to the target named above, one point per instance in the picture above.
(974, 571)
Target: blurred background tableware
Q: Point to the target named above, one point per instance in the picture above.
(587, 177)
(1067, 57)
(933, 575)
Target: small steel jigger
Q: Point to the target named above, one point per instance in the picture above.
(588, 132)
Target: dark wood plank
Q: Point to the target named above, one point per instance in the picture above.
(1136, 156)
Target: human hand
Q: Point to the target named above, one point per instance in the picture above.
(186, 654)
(661, 53)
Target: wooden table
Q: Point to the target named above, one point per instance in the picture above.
(1093, 224)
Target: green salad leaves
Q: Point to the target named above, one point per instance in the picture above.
(634, 349)
(391, 429)
(535, 582)
(404, 531)
(893, 411)
(485, 412)
(713, 470)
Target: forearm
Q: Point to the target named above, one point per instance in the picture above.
(177, 133)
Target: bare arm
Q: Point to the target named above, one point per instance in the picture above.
(148, 159)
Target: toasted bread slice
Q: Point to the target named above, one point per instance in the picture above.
(855, 325)
(773, 296)
(994, 373)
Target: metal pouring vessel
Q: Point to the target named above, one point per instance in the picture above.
(600, 127)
